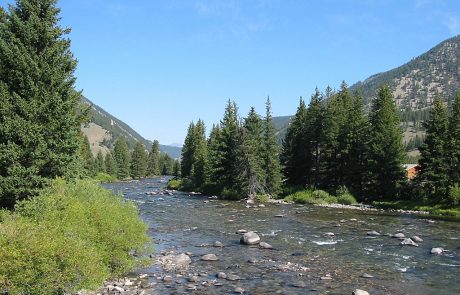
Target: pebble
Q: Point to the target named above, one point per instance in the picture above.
(218, 244)
(193, 279)
(241, 231)
(209, 257)
(167, 279)
(367, 276)
(221, 275)
(233, 278)
(261, 206)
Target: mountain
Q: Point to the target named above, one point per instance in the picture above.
(415, 84)
(103, 130)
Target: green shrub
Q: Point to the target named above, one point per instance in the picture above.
(174, 184)
(454, 195)
(346, 199)
(70, 237)
(231, 194)
(301, 197)
(263, 198)
(104, 178)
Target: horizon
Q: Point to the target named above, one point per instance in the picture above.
(190, 57)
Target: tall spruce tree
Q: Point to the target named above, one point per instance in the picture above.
(294, 156)
(138, 161)
(386, 147)
(188, 150)
(166, 164)
(121, 156)
(199, 155)
(271, 163)
(433, 159)
(110, 165)
(39, 123)
(453, 144)
(213, 167)
(153, 167)
(86, 157)
(99, 162)
(176, 168)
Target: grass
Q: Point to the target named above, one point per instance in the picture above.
(433, 209)
(320, 197)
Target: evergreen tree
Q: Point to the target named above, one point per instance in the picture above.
(87, 158)
(176, 168)
(99, 163)
(188, 151)
(199, 155)
(138, 161)
(110, 165)
(166, 164)
(386, 147)
(213, 167)
(271, 164)
(251, 154)
(453, 149)
(153, 167)
(433, 158)
(121, 156)
(39, 123)
(293, 156)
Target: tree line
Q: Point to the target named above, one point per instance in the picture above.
(122, 164)
(239, 158)
(332, 144)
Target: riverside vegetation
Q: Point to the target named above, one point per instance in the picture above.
(62, 233)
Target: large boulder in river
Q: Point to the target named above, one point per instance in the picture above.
(250, 238)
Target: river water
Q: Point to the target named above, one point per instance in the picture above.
(303, 255)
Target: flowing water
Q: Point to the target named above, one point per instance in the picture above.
(182, 223)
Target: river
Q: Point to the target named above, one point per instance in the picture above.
(306, 258)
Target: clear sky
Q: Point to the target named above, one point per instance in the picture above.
(157, 65)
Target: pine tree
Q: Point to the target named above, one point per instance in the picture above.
(110, 165)
(121, 156)
(271, 164)
(453, 149)
(99, 163)
(433, 159)
(153, 167)
(87, 158)
(386, 147)
(176, 168)
(188, 151)
(166, 164)
(40, 126)
(199, 155)
(294, 156)
(138, 161)
(213, 167)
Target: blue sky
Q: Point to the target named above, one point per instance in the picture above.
(157, 65)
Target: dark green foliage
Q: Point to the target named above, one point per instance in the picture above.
(72, 236)
(87, 158)
(433, 159)
(270, 154)
(138, 161)
(99, 163)
(153, 163)
(166, 164)
(176, 168)
(188, 151)
(121, 156)
(200, 154)
(453, 142)
(110, 165)
(39, 124)
(386, 148)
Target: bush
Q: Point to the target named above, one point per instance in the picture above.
(174, 184)
(454, 195)
(346, 199)
(104, 178)
(262, 198)
(70, 237)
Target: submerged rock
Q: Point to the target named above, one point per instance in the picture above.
(400, 236)
(209, 257)
(264, 245)
(373, 233)
(232, 277)
(239, 290)
(367, 276)
(408, 242)
(437, 251)
(221, 275)
(299, 284)
(250, 238)
(417, 239)
(218, 244)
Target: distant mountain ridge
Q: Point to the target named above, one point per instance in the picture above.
(104, 129)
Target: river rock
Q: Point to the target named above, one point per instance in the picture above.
(209, 257)
(221, 275)
(239, 290)
(241, 231)
(400, 236)
(373, 233)
(367, 276)
(232, 277)
(261, 206)
(360, 292)
(279, 216)
(167, 279)
(299, 284)
(409, 242)
(252, 260)
(250, 238)
(264, 245)
(218, 244)
(417, 239)
(326, 278)
(193, 279)
(437, 251)
(329, 234)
